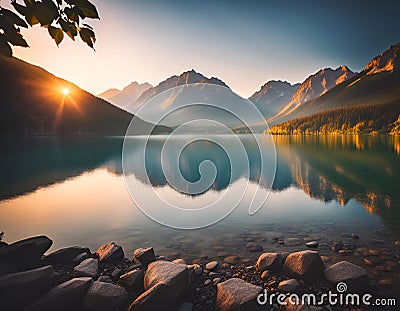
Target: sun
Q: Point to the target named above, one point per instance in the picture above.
(65, 91)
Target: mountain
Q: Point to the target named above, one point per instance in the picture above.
(313, 87)
(378, 83)
(185, 78)
(126, 96)
(273, 96)
(369, 102)
(35, 102)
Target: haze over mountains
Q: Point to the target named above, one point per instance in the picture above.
(126, 96)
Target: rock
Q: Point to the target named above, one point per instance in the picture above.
(254, 247)
(236, 294)
(185, 306)
(288, 306)
(105, 279)
(155, 298)
(175, 277)
(269, 261)
(345, 252)
(373, 252)
(347, 272)
(397, 243)
(232, 260)
(337, 245)
(305, 265)
(7, 267)
(66, 296)
(133, 280)
(144, 255)
(386, 282)
(20, 289)
(216, 281)
(292, 241)
(207, 282)
(265, 274)
(68, 255)
(288, 285)
(88, 267)
(116, 273)
(104, 296)
(211, 265)
(281, 241)
(179, 260)
(325, 259)
(110, 253)
(354, 236)
(197, 269)
(27, 253)
(312, 244)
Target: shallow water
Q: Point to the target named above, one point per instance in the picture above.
(325, 188)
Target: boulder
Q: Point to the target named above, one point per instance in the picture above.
(20, 289)
(104, 296)
(305, 265)
(65, 296)
(211, 265)
(288, 285)
(175, 276)
(133, 280)
(236, 294)
(7, 267)
(68, 255)
(254, 247)
(269, 261)
(110, 253)
(344, 271)
(89, 267)
(155, 298)
(144, 255)
(27, 253)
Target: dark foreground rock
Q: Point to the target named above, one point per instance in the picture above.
(105, 296)
(269, 261)
(144, 255)
(236, 294)
(65, 296)
(89, 267)
(305, 265)
(27, 253)
(68, 255)
(20, 289)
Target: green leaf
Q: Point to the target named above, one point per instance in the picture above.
(56, 33)
(44, 14)
(87, 35)
(88, 9)
(13, 18)
(5, 48)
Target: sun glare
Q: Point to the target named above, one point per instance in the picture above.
(65, 91)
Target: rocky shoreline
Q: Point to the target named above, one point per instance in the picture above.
(75, 278)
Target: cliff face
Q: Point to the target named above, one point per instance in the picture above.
(389, 61)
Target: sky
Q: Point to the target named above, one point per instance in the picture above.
(243, 43)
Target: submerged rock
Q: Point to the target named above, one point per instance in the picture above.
(20, 289)
(66, 296)
(236, 294)
(110, 253)
(305, 265)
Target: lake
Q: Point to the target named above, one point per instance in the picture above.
(325, 189)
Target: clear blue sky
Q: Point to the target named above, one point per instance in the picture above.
(244, 43)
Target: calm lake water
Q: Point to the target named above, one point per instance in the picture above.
(325, 188)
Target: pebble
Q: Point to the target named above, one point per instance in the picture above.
(211, 265)
(386, 282)
(326, 258)
(345, 252)
(312, 244)
(280, 241)
(265, 274)
(216, 281)
(211, 274)
(206, 282)
(354, 236)
(397, 243)
(368, 262)
(373, 252)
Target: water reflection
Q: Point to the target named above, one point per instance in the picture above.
(326, 168)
